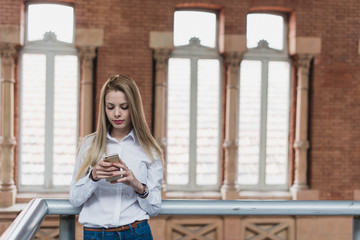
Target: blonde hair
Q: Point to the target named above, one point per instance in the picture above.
(137, 115)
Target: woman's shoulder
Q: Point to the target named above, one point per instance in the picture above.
(87, 140)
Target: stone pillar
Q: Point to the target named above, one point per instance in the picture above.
(234, 47)
(161, 57)
(87, 40)
(301, 144)
(87, 55)
(162, 44)
(7, 141)
(304, 49)
(229, 189)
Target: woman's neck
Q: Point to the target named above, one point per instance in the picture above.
(119, 134)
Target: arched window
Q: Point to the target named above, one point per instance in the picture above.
(264, 105)
(49, 87)
(193, 106)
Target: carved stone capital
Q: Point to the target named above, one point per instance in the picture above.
(8, 50)
(233, 60)
(302, 62)
(8, 54)
(87, 55)
(161, 56)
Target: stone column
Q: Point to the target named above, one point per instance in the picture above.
(7, 141)
(162, 44)
(303, 49)
(229, 188)
(87, 55)
(234, 46)
(161, 57)
(87, 40)
(301, 144)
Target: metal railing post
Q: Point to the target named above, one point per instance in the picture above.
(67, 227)
(356, 228)
(28, 222)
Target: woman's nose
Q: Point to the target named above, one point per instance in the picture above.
(117, 112)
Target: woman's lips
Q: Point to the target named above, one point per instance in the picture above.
(118, 121)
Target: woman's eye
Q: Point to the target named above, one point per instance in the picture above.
(125, 107)
(110, 108)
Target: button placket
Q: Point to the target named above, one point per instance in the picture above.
(118, 192)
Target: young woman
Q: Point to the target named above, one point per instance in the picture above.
(118, 209)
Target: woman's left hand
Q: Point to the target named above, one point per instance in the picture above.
(128, 177)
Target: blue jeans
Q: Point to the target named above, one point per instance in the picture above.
(141, 232)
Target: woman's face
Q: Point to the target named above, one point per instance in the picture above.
(117, 112)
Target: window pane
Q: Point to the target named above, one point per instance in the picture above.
(32, 124)
(178, 126)
(249, 122)
(188, 24)
(208, 113)
(65, 118)
(277, 123)
(265, 26)
(43, 18)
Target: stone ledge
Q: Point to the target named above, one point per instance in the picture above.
(234, 43)
(92, 37)
(306, 194)
(13, 209)
(10, 34)
(161, 40)
(274, 195)
(27, 197)
(305, 45)
(192, 195)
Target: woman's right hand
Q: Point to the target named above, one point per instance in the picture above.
(102, 170)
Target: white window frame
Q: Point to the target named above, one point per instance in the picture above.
(195, 52)
(50, 47)
(264, 54)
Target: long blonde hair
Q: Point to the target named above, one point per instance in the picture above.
(137, 115)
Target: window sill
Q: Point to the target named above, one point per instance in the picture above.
(280, 195)
(253, 195)
(14, 209)
(265, 195)
(27, 197)
(192, 195)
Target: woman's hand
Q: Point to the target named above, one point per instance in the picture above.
(103, 170)
(128, 177)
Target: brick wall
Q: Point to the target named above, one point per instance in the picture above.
(334, 132)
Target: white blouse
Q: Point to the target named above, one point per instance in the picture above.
(111, 205)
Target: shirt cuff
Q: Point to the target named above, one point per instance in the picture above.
(87, 181)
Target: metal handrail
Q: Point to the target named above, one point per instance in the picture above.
(29, 220)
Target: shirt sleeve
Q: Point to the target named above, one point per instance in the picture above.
(152, 203)
(82, 189)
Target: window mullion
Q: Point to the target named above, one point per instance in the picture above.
(263, 123)
(49, 126)
(193, 122)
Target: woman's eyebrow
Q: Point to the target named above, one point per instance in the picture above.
(121, 104)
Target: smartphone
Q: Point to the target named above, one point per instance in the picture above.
(113, 158)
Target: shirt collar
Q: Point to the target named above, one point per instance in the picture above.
(130, 136)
